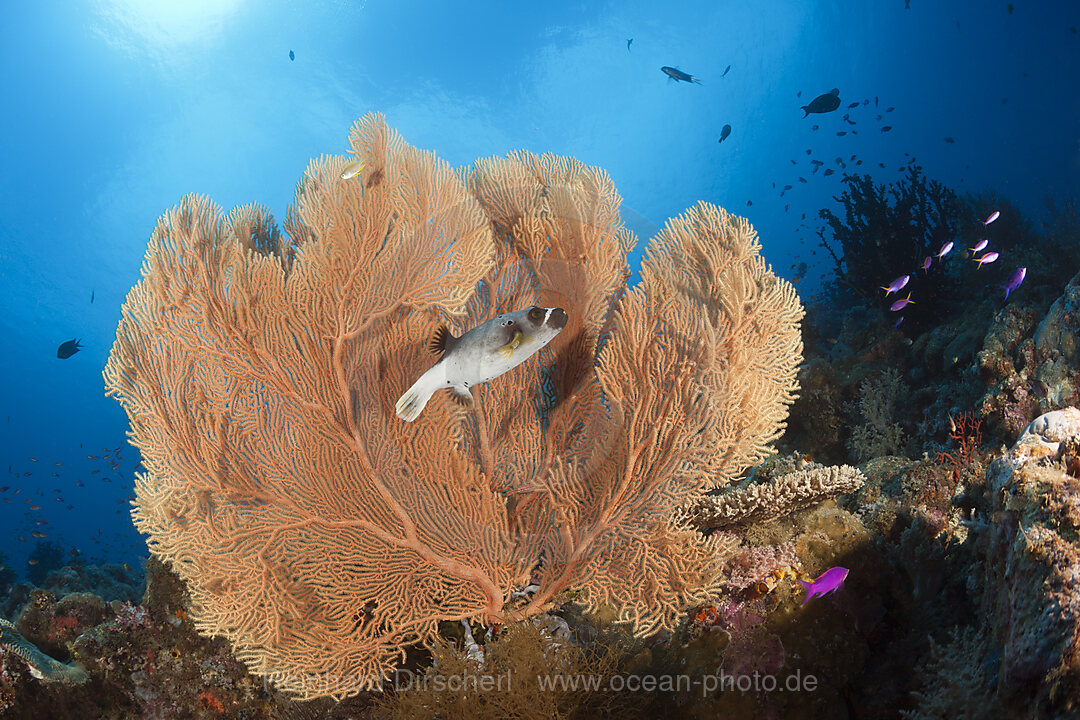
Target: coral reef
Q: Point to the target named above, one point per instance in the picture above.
(879, 434)
(886, 231)
(1031, 590)
(759, 502)
(323, 536)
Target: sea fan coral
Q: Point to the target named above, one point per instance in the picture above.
(321, 534)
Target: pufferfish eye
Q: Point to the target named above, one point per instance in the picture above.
(536, 314)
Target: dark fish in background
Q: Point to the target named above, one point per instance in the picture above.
(91, 296)
(724, 132)
(823, 103)
(829, 171)
(814, 127)
(292, 55)
(725, 71)
(676, 74)
(628, 41)
(67, 349)
(949, 140)
(886, 128)
(853, 105)
(842, 133)
(890, 108)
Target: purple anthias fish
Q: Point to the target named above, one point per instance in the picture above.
(981, 245)
(897, 285)
(945, 249)
(901, 303)
(1014, 281)
(993, 216)
(987, 258)
(829, 581)
(897, 323)
(926, 263)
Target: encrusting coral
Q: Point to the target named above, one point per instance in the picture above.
(779, 497)
(319, 533)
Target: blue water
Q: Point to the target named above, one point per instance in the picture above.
(114, 109)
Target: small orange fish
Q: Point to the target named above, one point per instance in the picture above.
(33, 459)
(91, 457)
(58, 463)
(39, 534)
(35, 507)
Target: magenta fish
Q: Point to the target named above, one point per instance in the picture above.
(926, 263)
(897, 285)
(987, 258)
(897, 323)
(993, 216)
(1014, 281)
(829, 581)
(945, 249)
(981, 245)
(901, 303)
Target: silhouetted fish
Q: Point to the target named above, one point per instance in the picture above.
(823, 103)
(725, 71)
(628, 41)
(67, 349)
(91, 296)
(724, 132)
(676, 74)
(292, 55)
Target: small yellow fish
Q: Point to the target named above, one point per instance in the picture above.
(31, 561)
(351, 169)
(38, 534)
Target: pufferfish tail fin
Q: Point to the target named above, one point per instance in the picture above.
(412, 403)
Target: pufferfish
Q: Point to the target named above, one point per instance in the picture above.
(482, 354)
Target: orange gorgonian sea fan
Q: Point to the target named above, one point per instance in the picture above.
(321, 534)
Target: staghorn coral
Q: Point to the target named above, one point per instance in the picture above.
(779, 497)
(320, 534)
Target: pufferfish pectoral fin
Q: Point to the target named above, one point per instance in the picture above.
(461, 395)
(516, 339)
